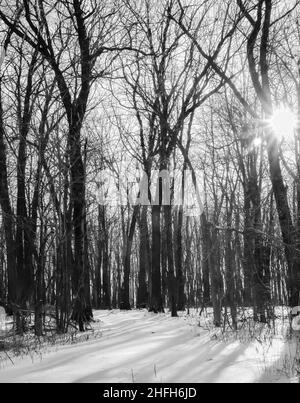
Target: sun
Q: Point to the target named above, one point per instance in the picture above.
(284, 123)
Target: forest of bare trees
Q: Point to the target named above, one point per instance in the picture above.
(186, 113)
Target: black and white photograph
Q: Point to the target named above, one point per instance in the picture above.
(149, 194)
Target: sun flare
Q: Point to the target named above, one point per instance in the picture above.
(284, 123)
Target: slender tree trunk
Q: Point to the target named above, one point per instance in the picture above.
(205, 262)
(230, 270)
(8, 220)
(178, 261)
(248, 259)
(127, 260)
(99, 259)
(171, 276)
(24, 241)
(144, 271)
(211, 257)
(156, 303)
(106, 284)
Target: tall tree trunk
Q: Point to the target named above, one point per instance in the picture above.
(24, 241)
(156, 303)
(162, 190)
(8, 220)
(106, 284)
(211, 257)
(205, 262)
(248, 261)
(98, 266)
(171, 276)
(81, 312)
(144, 271)
(179, 260)
(125, 304)
(230, 269)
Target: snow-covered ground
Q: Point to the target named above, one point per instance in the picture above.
(138, 347)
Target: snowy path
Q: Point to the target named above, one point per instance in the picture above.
(141, 347)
